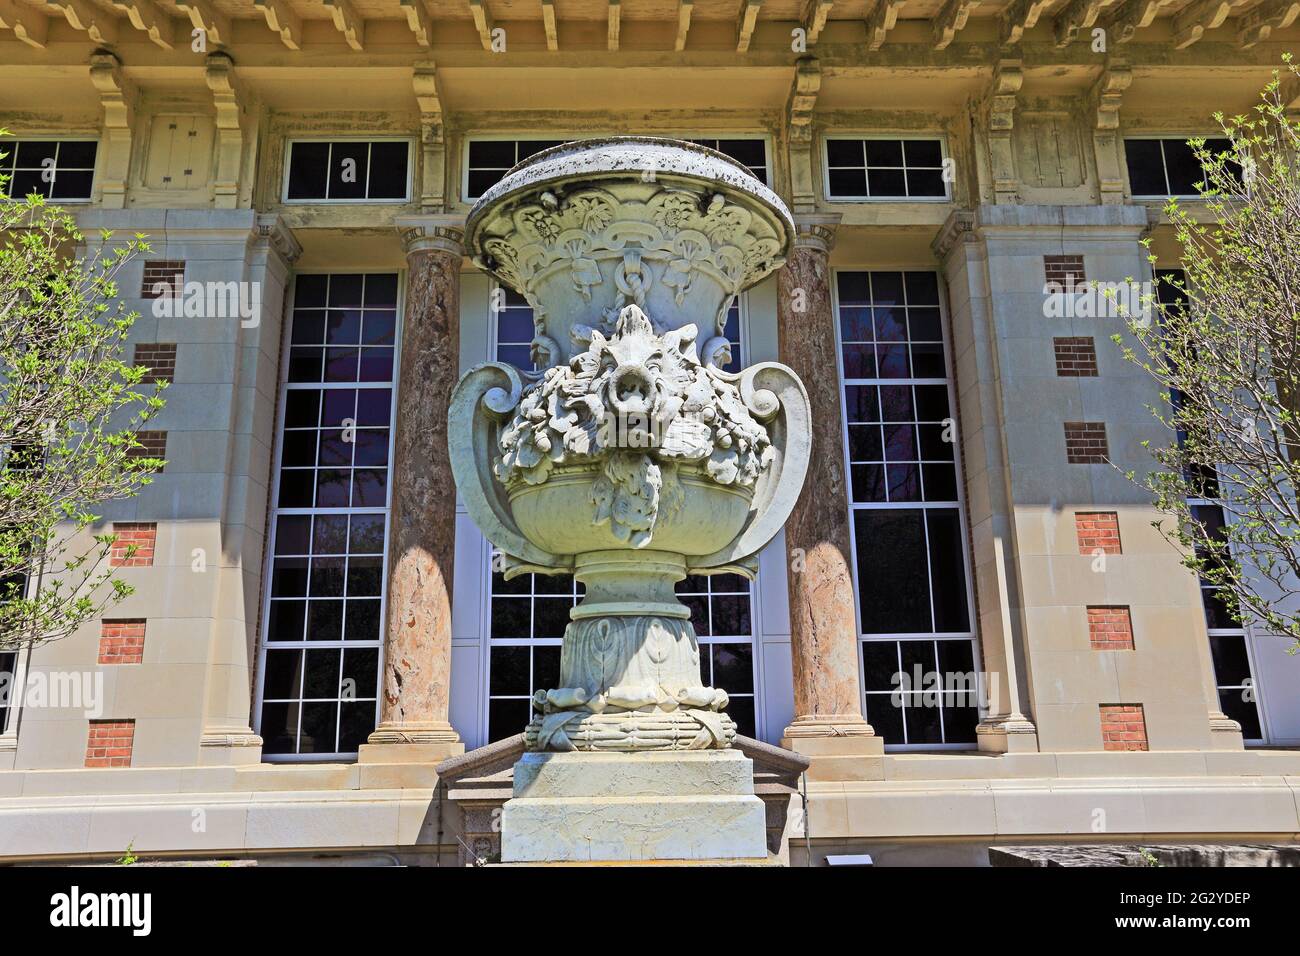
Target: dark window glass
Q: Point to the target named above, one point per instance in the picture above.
(1166, 167)
(750, 153)
(327, 576)
(491, 159)
(55, 169)
(388, 173)
(892, 589)
(911, 564)
(356, 170)
(885, 169)
(308, 170)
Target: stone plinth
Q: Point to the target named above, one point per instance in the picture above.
(585, 807)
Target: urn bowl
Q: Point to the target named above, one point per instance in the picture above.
(696, 515)
(583, 229)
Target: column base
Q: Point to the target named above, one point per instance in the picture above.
(1225, 733)
(229, 747)
(411, 743)
(842, 747)
(595, 807)
(1007, 735)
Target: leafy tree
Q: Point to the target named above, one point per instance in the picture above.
(1225, 350)
(70, 408)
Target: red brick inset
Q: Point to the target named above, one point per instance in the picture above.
(1076, 356)
(1085, 443)
(159, 358)
(1123, 727)
(1064, 272)
(121, 640)
(1097, 531)
(1110, 628)
(141, 534)
(109, 743)
(153, 444)
(162, 277)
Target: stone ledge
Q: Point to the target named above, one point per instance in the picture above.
(989, 809)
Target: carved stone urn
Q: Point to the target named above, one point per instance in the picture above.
(630, 459)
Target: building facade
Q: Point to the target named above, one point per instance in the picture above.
(969, 625)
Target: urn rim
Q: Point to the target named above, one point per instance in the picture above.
(698, 164)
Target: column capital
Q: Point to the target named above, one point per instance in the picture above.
(958, 228)
(270, 229)
(443, 233)
(816, 231)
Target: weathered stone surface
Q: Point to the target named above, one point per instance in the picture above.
(632, 828)
(543, 775)
(417, 649)
(635, 825)
(1191, 854)
(823, 626)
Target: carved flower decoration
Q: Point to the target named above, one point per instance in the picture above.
(642, 404)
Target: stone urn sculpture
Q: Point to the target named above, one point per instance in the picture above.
(630, 460)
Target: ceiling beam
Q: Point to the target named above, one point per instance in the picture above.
(748, 21)
(94, 21)
(615, 23)
(882, 19)
(814, 20)
(348, 22)
(29, 24)
(1022, 15)
(283, 21)
(1075, 16)
(1258, 24)
(205, 16)
(1132, 16)
(417, 18)
(482, 22)
(549, 24)
(684, 10)
(1192, 21)
(951, 19)
(148, 19)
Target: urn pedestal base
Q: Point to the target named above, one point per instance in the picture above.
(593, 807)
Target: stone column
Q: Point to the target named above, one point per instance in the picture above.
(421, 543)
(995, 566)
(828, 723)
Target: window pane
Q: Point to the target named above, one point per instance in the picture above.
(388, 171)
(1146, 171)
(892, 571)
(947, 570)
(328, 574)
(911, 564)
(308, 170)
(1183, 167)
(349, 165)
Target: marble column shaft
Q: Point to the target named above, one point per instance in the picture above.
(823, 623)
(417, 644)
